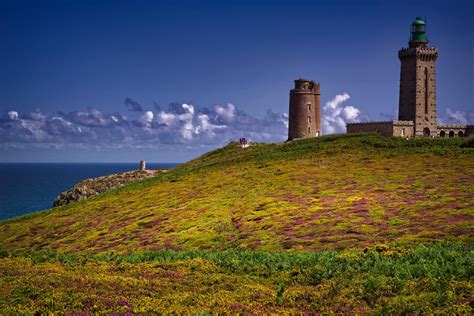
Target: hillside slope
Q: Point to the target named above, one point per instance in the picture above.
(331, 192)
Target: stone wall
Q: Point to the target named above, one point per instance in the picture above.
(454, 130)
(385, 128)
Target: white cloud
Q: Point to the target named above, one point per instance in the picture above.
(457, 116)
(147, 117)
(336, 102)
(188, 108)
(225, 113)
(13, 115)
(350, 112)
(335, 115)
(187, 131)
(166, 118)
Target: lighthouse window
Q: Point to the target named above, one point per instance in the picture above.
(309, 119)
(309, 107)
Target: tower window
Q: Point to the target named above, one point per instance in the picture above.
(309, 107)
(309, 119)
(402, 131)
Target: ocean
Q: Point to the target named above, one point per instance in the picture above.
(29, 187)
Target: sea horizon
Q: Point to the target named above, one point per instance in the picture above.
(27, 187)
(78, 162)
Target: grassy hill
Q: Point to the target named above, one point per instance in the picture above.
(333, 192)
(352, 219)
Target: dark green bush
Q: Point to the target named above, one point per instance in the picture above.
(468, 143)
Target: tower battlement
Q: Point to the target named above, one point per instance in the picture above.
(421, 52)
(306, 85)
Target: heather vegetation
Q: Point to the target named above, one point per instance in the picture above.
(329, 193)
(343, 223)
(434, 278)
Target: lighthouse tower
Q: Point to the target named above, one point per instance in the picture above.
(417, 100)
(305, 110)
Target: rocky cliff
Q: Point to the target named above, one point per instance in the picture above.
(94, 186)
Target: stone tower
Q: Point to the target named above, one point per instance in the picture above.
(305, 110)
(417, 101)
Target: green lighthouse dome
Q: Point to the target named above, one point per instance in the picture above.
(418, 31)
(418, 21)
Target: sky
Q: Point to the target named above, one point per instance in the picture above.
(166, 81)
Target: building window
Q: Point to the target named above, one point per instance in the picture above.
(309, 119)
(309, 107)
(309, 129)
(402, 131)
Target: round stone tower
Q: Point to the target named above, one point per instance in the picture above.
(305, 110)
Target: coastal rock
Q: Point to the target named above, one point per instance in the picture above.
(95, 186)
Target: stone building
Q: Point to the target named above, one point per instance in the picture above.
(417, 101)
(305, 110)
(385, 128)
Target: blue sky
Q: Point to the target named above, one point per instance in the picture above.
(107, 80)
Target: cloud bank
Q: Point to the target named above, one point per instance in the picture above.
(456, 116)
(180, 124)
